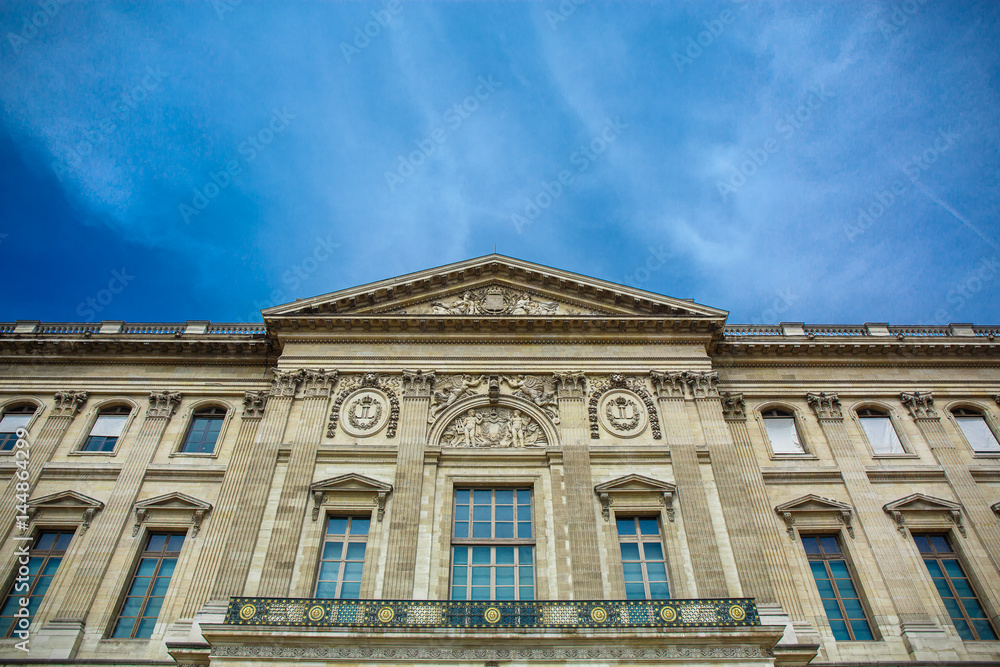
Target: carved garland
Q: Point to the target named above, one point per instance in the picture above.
(372, 380)
(619, 381)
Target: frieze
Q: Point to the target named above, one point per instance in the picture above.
(493, 426)
(495, 300)
(618, 417)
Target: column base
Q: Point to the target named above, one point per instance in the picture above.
(184, 640)
(926, 640)
(58, 640)
(799, 643)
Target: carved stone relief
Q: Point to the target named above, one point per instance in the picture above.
(825, 405)
(67, 403)
(253, 404)
(494, 300)
(451, 389)
(920, 404)
(535, 390)
(162, 404)
(493, 426)
(364, 405)
(625, 419)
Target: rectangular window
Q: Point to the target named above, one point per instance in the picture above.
(148, 587)
(343, 558)
(643, 560)
(954, 587)
(493, 546)
(979, 435)
(882, 435)
(203, 433)
(12, 421)
(105, 432)
(836, 588)
(43, 561)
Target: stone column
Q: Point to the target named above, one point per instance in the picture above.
(730, 476)
(672, 394)
(66, 406)
(769, 534)
(917, 624)
(404, 521)
(956, 469)
(283, 547)
(242, 536)
(228, 505)
(107, 528)
(574, 437)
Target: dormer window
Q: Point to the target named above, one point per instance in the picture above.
(781, 431)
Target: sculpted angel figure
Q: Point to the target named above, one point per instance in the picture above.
(525, 306)
(453, 389)
(532, 389)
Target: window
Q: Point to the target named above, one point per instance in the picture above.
(148, 587)
(14, 418)
(495, 561)
(204, 431)
(643, 561)
(954, 587)
(836, 588)
(106, 429)
(977, 431)
(43, 561)
(782, 433)
(881, 434)
(343, 558)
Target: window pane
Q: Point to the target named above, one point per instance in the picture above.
(504, 529)
(150, 583)
(481, 555)
(350, 590)
(10, 423)
(635, 591)
(881, 435)
(656, 572)
(342, 558)
(336, 526)
(505, 555)
(652, 551)
(630, 551)
(783, 436)
(811, 545)
(493, 514)
(333, 550)
(648, 527)
(524, 530)
(940, 543)
(326, 590)
(356, 551)
(626, 526)
(109, 425)
(659, 590)
(505, 497)
(978, 433)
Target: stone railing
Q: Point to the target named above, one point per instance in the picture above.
(237, 329)
(554, 614)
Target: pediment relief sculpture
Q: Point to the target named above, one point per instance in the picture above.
(493, 426)
(535, 390)
(494, 300)
(450, 390)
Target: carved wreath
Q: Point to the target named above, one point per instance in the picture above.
(371, 421)
(620, 422)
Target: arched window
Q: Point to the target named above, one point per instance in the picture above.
(881, 434)
(14, 417)
(203, 432)
(976, 430)
(781, 431)
(107, 429)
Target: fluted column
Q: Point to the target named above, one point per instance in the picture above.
(734, 494)
(672, 394)
(574, 437)
(404, 524)
(283, 547)
(242, 536)
(956, 468)
(228, 505)
(107, 528)
(768, 533)
(43, 445)
(876, 525)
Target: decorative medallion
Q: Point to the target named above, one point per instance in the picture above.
(316, 613)
(247, 612)
(737, 613)
(618, 422)
(668, 614)
(385, 614)
(364, 412)
(493, 426)
(598, 614)
(492, 615)
(622, 413)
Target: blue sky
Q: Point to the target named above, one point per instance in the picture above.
(821, 162)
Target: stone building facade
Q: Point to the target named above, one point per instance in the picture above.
(499, 463)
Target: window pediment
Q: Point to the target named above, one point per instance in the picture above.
(65, 506)
(170, 510)
(813, 511)
(635, 491)
(348, 489)
(922, 511)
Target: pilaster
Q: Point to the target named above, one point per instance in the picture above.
(673, 394)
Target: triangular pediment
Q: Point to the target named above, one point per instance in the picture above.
(634, 484)
(813, 503)
(171, 501)
(65, 499)
(495, 286)
(918, 502)
(352, 482)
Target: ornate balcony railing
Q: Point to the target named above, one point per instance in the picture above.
(733, 612)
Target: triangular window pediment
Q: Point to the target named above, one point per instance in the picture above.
(812, 511)
(636, 489)
(634, 483)
(170, 510)
(65, 506)
(923, 511)
(344, 490)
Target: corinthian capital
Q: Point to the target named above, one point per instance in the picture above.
(668, 385)
(919, 403)
(284, 383)
(825, 405)
(162, 404)
(570, 384)
(702, 385)
(733, 406)
(68, 403)
(418, 383)
(253, 404)
(318, 382)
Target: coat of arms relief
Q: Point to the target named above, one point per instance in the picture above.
(493, 426)
(495, 301)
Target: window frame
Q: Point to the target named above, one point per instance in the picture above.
(973, 410)
(493, 542)
(12, 579)
(897, 427)
(638, 539)
(93, 415)
(189, 419)
(324, 538)
(845, 556)
(968, 572)
(796, 420)
(123, 596)
(7, 409)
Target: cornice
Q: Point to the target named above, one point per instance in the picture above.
(814, 475)
(175, 472)
(877, 474)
